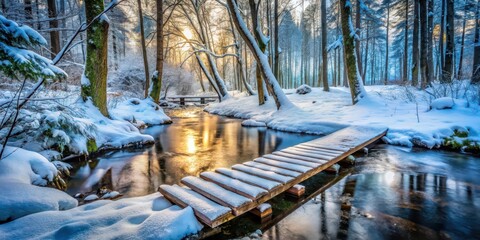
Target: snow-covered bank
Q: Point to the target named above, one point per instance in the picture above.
(148, 217)
(140, 112)
(22, 173)
(59, 130)
(395, 107)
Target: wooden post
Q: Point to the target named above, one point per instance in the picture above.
(297, 190)
(263, 211)
(202, 100)
(182, 101)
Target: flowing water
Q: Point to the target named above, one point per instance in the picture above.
(194, 143)
(391, 193)
(394, 193)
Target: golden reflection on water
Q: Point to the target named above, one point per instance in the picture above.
(189, 146)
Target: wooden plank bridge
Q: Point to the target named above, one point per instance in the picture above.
(219, 196)
(182, 100)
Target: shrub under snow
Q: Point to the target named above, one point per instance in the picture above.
(21, 174)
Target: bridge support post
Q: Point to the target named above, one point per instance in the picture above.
(297, 190)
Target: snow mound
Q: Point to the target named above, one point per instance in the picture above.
(303, 89)
(253, 123)
(442, 103)
(113, 134)
(140, 112)
(147, 217)
(20, 170)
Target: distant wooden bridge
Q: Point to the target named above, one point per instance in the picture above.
(220, 196)
(182, 100)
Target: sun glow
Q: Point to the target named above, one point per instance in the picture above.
(187, 33)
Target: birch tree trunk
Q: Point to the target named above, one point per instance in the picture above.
(94, 79)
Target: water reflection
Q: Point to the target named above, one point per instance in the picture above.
(402, 202)
(195, 143)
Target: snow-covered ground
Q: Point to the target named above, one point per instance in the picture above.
(47, 213)
(394, 107)
(22, 173)
(148, 217)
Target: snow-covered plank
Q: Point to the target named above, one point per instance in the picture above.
(325, 151)
(205, 209)
(234, 185)
(262, 173)
(350, 137)
(293, 161)
(319, 152)
(222, 196)
(288, 166)
(248, 178)
(278, 170)
(316, 145)
(320, 148)
(305, 153)
(304, 158)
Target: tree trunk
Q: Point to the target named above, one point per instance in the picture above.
(441, 40)
(358, 22)
(115, 50)
(415, 48)
(262, 45)
(405, 46)
(94, 79)
(276, 49)
(28, 9)
(323, 9)
(157, 77)
(430, 9)
(356, 87)
(144, 48)
(385, 81)
(423, 43)
(476, 49)
(278, 95)
(462, 49)
(54, 34)
(450, 43)
(366, 54)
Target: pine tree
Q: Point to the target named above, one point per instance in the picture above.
(16, 58)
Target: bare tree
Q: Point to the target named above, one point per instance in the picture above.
(278, 95)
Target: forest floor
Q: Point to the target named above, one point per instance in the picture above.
(413, 117)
